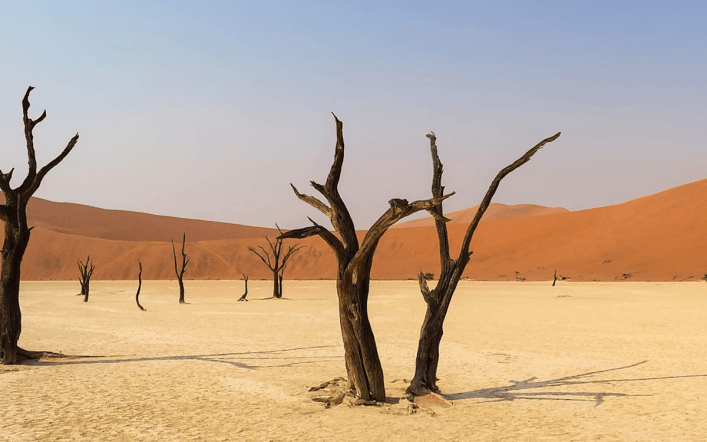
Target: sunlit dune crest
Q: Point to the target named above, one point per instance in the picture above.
(657, 237)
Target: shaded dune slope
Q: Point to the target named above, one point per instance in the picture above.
(658, 237)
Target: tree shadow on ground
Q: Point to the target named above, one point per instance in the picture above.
(519, 389)
(270, 358)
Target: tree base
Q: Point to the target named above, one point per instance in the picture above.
(335, 392)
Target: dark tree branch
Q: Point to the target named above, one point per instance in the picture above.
(314, 202)
(319, 230)
(44, 170)
(3, 212)
(425, 289)
(390, 217)
(29, 137)
(332, 181)
(437, 192)
(5, 181)
(139, 285)
(290, 251)
(267, 263)
(464, 253)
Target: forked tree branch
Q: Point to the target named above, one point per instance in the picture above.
(29, 137)
(5, 181)
(319, 230)
(464, 252)
(314, 202)
(424, 288)
(390, 217)
(44, 170)
(290, 251)
(267, 263)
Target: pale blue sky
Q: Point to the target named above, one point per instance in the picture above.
(209, 109)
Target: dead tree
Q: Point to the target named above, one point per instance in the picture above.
(86, 270)
(554, 279)
(365, 374)
(180, 273)
(139, 285)
(242, 298)
(14, 214)
(438, 299)
(276, 265)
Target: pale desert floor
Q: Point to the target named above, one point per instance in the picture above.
(519, 362)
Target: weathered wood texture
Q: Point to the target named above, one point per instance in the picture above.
(276, 261)
(180, 273)
(14, 214)
(365, 374)
(439, 298)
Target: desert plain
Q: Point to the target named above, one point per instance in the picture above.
(609, 361)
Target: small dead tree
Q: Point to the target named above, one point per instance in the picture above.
(14, 215)
(86, 270)
(438, 299)
(365, 374)
(180, 273)
(276, 264)
(554, 279)
(139, 285)
(242, 298)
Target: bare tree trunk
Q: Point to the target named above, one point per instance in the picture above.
(14, 214)
(242, 298)
(180, 273)
(438, 299)
(353, 277)
(86, 271)
(16, 240)
(276, 293)
(554, 279)
(139, 285)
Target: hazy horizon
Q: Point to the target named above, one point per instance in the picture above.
(210, 111)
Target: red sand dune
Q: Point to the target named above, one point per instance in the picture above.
(494, 212)
(77, 219)
(658, 237)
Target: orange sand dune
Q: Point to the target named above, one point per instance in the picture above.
(494, 212)
(658, 237)
(77, 219)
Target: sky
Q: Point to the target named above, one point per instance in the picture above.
(210, 109)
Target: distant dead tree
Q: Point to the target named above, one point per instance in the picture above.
(276, 264)
(438, 299)
(14, 214)
(139, 285)
(518, 277)
(554, 279)
(180, 273)
(365, 374)
(86, 270)
(242, 298)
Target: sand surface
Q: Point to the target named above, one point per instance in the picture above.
(519, 362)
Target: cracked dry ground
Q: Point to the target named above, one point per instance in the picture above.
(520, 361)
